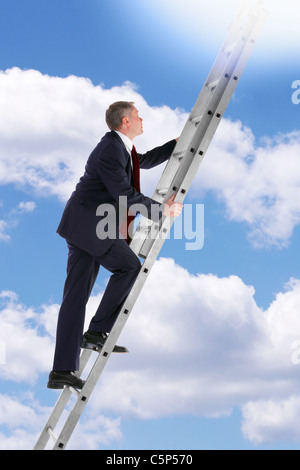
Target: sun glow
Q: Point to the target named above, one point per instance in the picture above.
(198, 21)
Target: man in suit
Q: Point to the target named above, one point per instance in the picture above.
(111, 180)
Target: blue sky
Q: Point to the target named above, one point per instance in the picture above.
(211, 363)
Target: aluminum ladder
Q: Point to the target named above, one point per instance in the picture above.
(176, 179)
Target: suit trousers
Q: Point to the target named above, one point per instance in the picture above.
(82, 271)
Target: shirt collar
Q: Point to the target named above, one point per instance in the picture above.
(127, 142)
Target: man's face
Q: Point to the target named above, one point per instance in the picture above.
(135, 123)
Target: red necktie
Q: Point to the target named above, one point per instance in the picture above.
(136, 184)
(136, 169)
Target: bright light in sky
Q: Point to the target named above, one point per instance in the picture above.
(208, 21)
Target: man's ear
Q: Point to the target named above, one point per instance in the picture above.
(125, 120)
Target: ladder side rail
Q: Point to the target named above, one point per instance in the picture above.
(171, 171)
(53, 419)
(60, 406)
(205, 132)
(203, 138)
(141, 234)
(218, 70)
(128, 305)
(255, 29)
(198, 110)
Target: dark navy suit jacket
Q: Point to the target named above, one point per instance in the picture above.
(108, 175)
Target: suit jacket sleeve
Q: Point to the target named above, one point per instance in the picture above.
(157, 156)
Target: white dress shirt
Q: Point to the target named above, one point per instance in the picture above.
(128, 144)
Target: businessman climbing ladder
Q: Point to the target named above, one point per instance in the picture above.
(186, 157)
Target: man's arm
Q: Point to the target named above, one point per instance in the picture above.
(113, 175)
(157, 156)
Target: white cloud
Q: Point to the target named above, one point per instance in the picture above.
(3, 229)
(200, 346)
(22, 418)
(95, 431)
(28, 347)
(49, 125)
(269, 421)
(13, 218)
(283, 316)
(259, 184)
(24, 207)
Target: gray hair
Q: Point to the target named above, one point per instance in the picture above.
(116, 112)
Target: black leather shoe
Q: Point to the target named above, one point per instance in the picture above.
(58, 380)
(95, 341)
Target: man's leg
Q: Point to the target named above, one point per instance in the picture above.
(82, 271)
(125, 266)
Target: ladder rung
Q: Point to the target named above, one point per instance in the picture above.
(228, 50)
(196, 119)
(52, 434)
(73, 390)
(179, 153)
(144, 228)
(213, 85)
(162, 192)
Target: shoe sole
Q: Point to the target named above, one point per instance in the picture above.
(55, 386)
(93, 347)
(60, 385)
